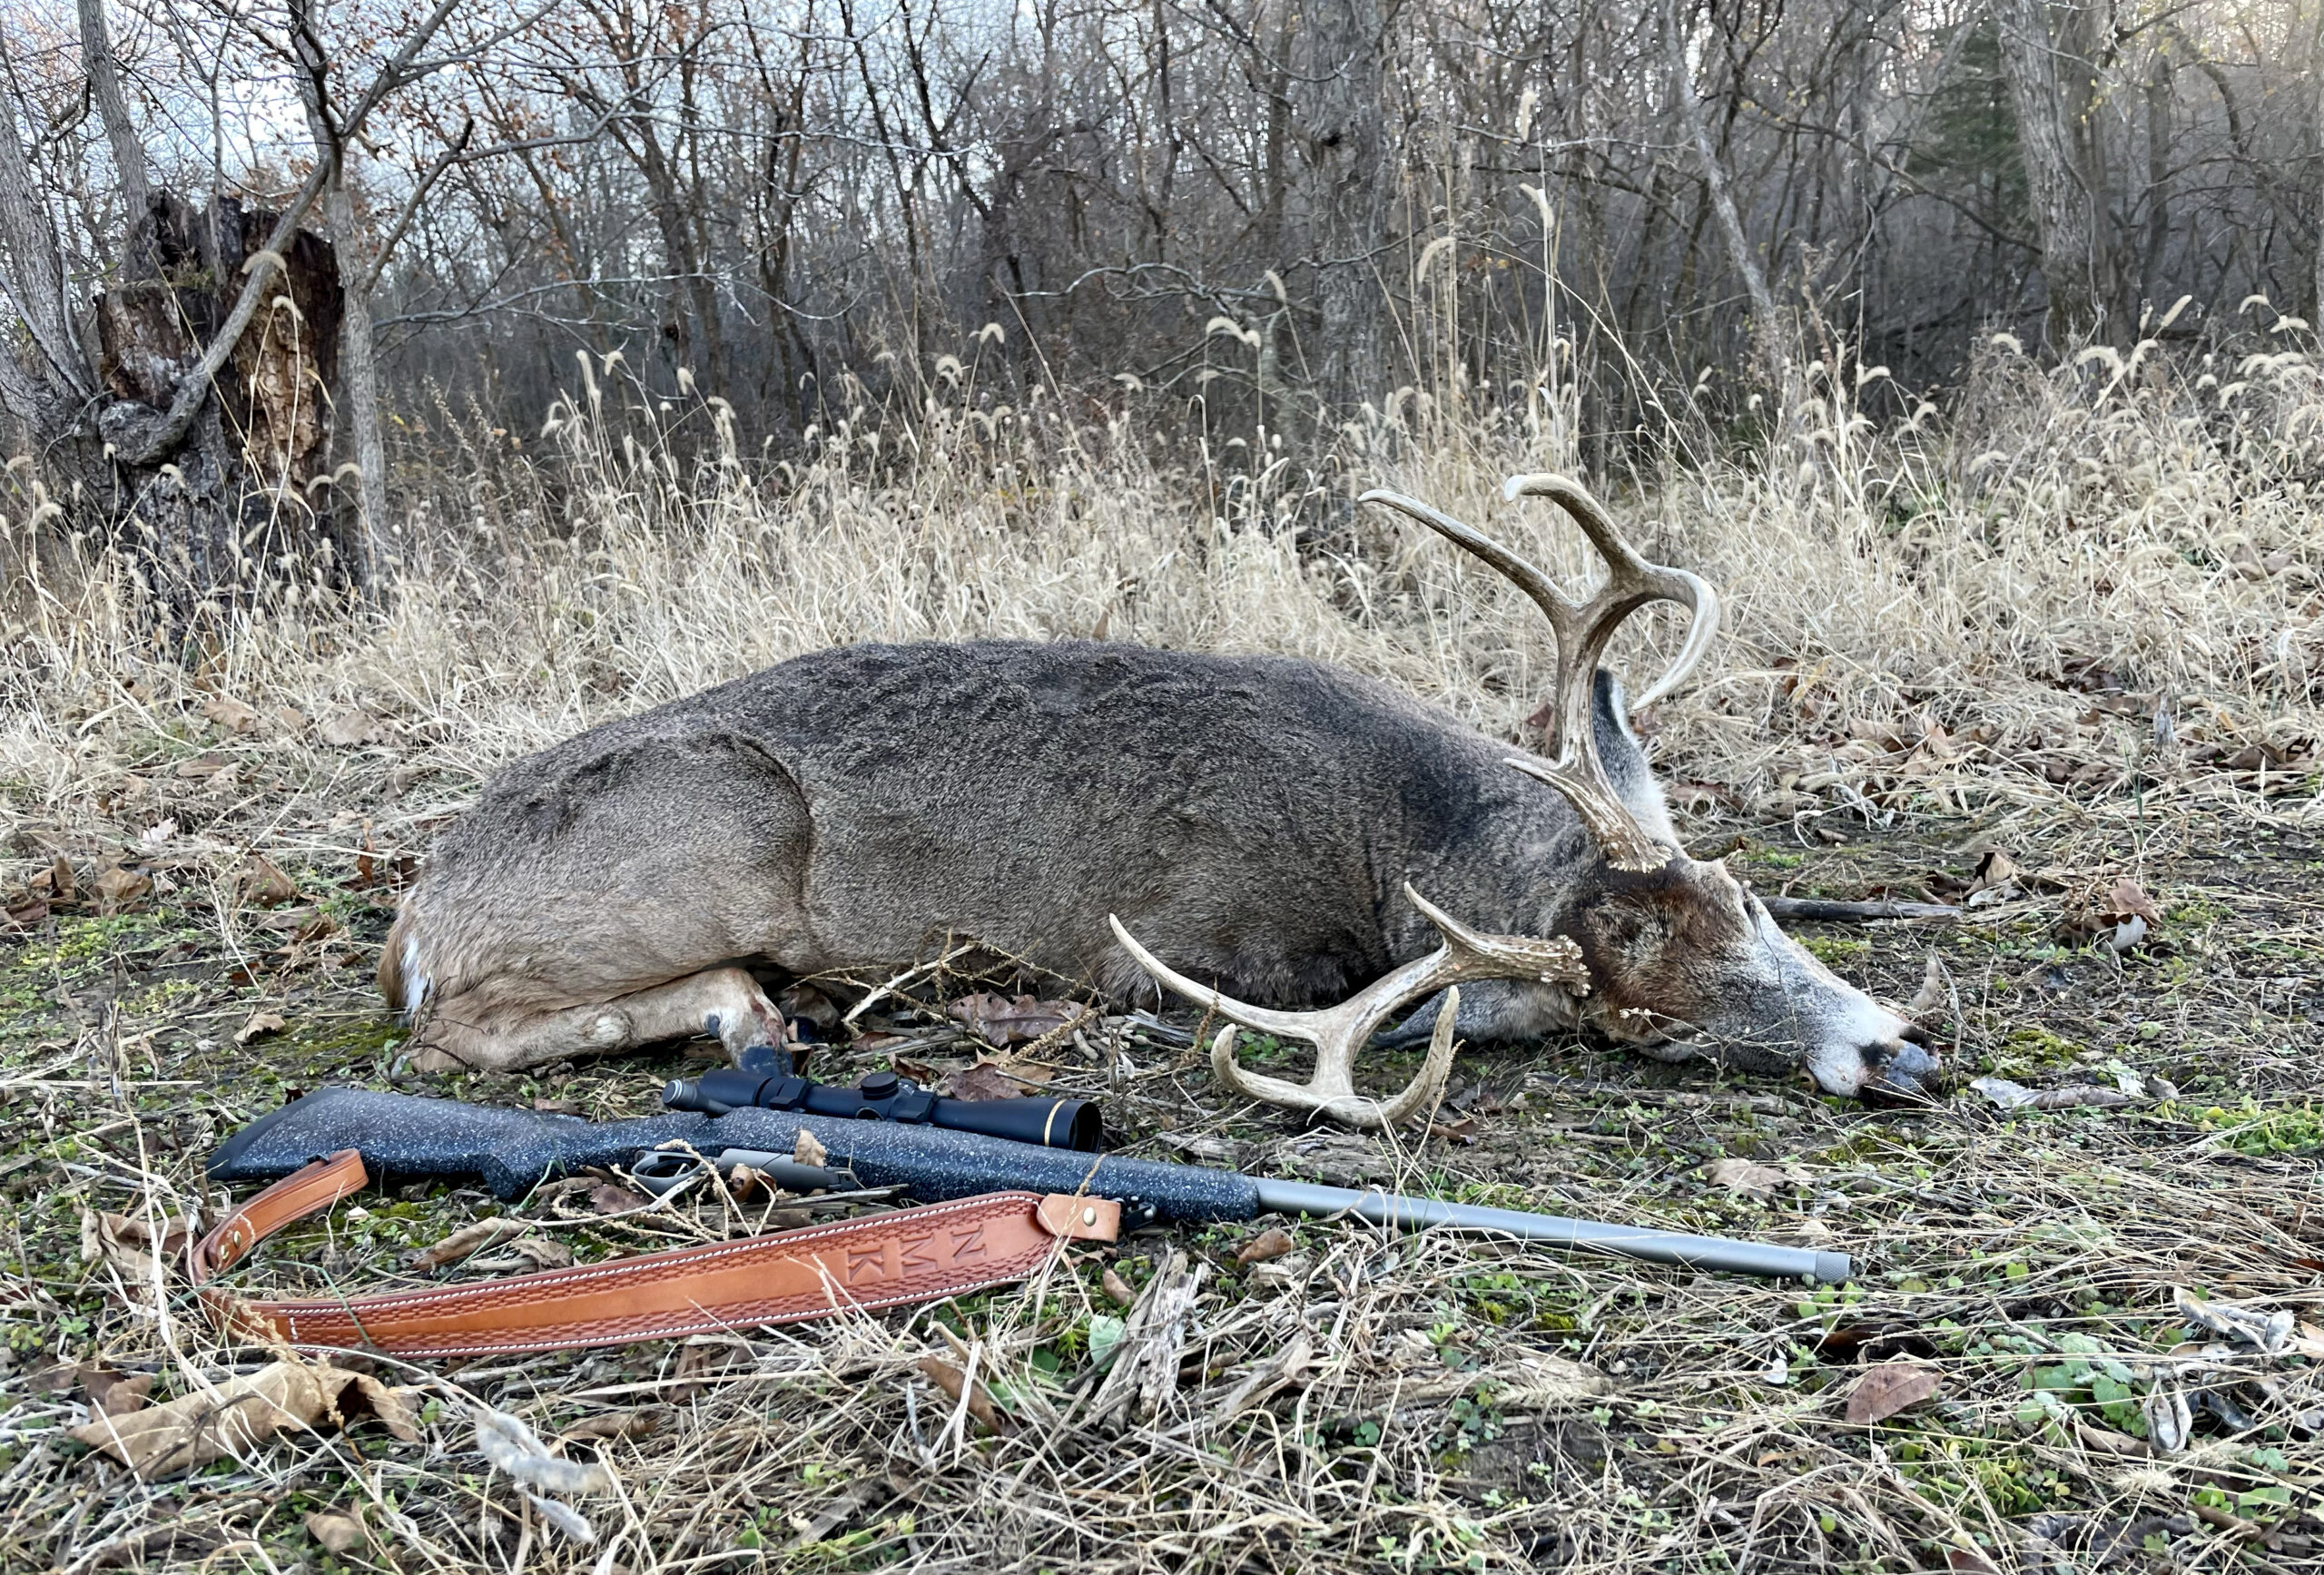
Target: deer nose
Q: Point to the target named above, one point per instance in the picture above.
(1901, 1068)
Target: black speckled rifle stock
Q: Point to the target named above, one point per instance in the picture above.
(403, 1138)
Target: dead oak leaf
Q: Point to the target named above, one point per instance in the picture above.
(351, 727)
(1746, 1175)
(264, 885)
(119, 888)
(235, 1416)
(981, 1083)
(1889, 1388)
(112, 1394)
(229, 714)
(998, 1020)
(136, 1247)
(1271, 1243)
(261, 1023)
(336, 1532)
(954, 1382)
(467, 1241)
(607, 1198)
(637, 1421)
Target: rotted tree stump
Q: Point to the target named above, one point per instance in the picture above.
(243, 501)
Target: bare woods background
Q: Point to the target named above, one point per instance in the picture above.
(269, 266)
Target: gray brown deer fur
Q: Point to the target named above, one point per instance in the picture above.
(1253, 820)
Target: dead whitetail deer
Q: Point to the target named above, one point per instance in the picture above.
(1264, 827)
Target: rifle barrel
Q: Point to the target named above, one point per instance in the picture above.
(1657, 1246)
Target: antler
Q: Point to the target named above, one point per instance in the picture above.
(1339, 1032)
(1582, 630)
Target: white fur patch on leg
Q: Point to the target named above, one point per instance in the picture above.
(416, 982)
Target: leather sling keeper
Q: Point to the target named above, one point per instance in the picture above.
(883, 1260)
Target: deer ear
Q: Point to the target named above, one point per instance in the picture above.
(1624, 758)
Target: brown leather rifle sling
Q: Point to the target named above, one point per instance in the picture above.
(884, 1260)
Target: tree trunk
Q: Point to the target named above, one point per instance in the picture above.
(228, 507)
(359, 403)
(2159, 93)
(2065, 211)
(1342, 126)
(1766, 333)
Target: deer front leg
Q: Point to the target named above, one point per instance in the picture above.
(472, 1031)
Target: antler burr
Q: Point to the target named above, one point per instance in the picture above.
(1339, 1032)
(1582, 630)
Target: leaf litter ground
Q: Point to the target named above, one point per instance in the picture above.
(1342, 1401)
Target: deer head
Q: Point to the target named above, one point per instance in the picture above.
(1645, 944)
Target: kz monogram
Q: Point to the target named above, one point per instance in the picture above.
(875, 1263)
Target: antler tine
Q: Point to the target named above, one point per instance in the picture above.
(1339, 1033)
(1476, 955)
(1562, 612)
(1582, 630)
(1350, 1109)
(1629, 575)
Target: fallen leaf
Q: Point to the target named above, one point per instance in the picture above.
(234, 1416)
(637, 1421)
(1889, 1388)
(2106, 1440)
(338, 1533)
(808, 1151)
(351, 727)
(951, 1380)
(1284, 1368)
(1969, 1562)
(235, 717)
(980, 1084)
(118, 888)
(607, 1198)
(60, 879)
(127, 1242)
(2169, 1420)
(25, 913)
(1271, 1243)
(998, 1020)
(2008, 1095)
(1539, 1383)
(289, 718)
(1117, 1288)
(508, 1442)
(261, 1023)
(2270, 1331)
(1745, 1176)
(114, 1393)
(467, 1241)
(2128, 897)
(542, 1251)
(266, 886)
(157, 836)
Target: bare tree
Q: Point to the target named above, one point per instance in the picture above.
(2069, 210)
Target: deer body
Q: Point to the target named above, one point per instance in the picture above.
(1255, 822)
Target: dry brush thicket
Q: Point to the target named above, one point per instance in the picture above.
(2079, 581)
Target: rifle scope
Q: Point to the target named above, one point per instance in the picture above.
(885, 1097)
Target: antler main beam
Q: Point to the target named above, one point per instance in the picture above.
(1340, 1033)
(1582, 630)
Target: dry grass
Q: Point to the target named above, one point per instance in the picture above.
(1957, 631)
